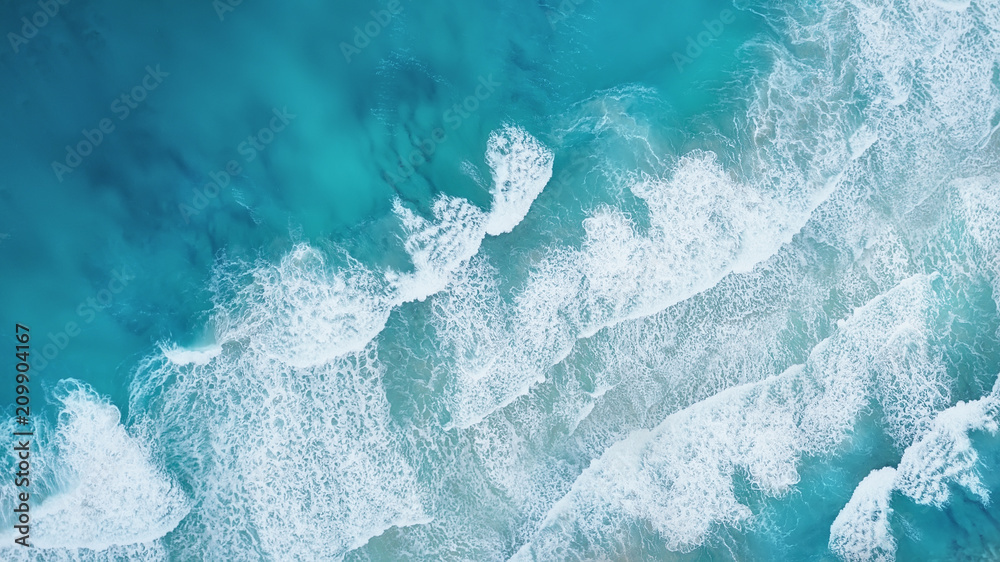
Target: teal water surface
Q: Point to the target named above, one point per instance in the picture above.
(510, 280)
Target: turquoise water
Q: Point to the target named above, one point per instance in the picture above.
(511, 280)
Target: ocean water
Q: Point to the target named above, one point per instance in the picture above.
(508, 280)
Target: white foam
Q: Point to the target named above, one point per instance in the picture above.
(293, 380)
(302, 311)
(285, 462)
(498, 348)
(861, 141)
(704, 225)
(927, 73)
(705, 221)
(942, 456)
(143, 552)
(184, 356)
(945, 455)
(940, 47)
(862, 532)
(952, 5)
(437, 248)
(521, 166)
(979, 205)
(502, 344)
(678, 478)
(112, 493)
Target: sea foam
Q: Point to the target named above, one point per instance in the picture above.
(941, 457)
(294, 380)
(678, 477)
(521, 167)
(283, 461)
(861, 532)
(111, 493)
